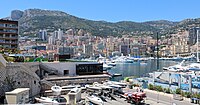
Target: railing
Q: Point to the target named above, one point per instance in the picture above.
(9, 37)
(8, 42)
(8, 31)
(8, 26)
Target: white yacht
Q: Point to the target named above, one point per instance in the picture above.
(123, 59)
(56, 90)
(94, 99)
(106, 66)
(194, 67)
(111, 63)
(177, 67)
(46, 100)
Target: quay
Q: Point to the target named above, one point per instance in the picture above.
(77, 77)
(75, 80)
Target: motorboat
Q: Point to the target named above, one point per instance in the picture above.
(116, 75)
(106, 66)
(123, 59)
(94, 99)
(176, 68)
(46, 100)
(111, 63)
(116, 84)
(194, 67)
(56, 90)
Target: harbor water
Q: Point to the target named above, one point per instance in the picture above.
(139, 68)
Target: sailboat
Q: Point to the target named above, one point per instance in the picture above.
(195, 66)
(198, 46)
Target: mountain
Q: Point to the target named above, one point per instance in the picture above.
(32, 20)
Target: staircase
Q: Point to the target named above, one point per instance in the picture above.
(2, 60)
(46, 85)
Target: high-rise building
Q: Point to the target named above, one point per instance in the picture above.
(124, 49)
(43, 35)
(51, 40)
(9, 34)
(88, 49)
(193, 35)
(58, 34)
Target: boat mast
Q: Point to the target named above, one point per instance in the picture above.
(157, 54)
(197, 45)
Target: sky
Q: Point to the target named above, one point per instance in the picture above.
(112, 10)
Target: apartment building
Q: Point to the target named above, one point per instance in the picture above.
(8, 34)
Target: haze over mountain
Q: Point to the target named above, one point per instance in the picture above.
(32, 20)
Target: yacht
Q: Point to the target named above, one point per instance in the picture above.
(94, 99)
(194, 67)
(46, 100)
(177, 67)
(123, 59)
(111, 63)
(56, 90)
(106, 67)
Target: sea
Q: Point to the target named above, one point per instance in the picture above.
(139, 68)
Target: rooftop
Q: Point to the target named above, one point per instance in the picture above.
(17, 91)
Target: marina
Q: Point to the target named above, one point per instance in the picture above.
(133, 52)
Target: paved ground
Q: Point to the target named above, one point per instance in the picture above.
(165, 98)
(153, 98)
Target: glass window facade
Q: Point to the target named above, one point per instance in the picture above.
(87, 69)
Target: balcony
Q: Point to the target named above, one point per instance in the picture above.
(12, 38)
(8, 42)
(3, 26)
(9, 32)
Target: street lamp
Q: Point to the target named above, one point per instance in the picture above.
(157, 96)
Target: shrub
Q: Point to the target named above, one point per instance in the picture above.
(196, 95)
(136, 85)
(167, 90)
(159, 88)
(187, 94)
(127, 79)
(178, 91)
(150, 87)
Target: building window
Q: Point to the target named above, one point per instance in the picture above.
(34, 82)
(66, 72)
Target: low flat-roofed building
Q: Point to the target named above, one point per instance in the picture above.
(18, 96)
(74, 68)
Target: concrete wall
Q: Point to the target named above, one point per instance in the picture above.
(16, 75)
(75, 82)
(61, 66)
